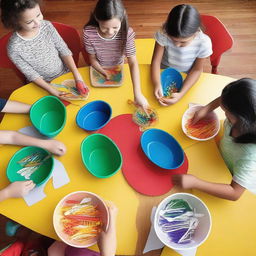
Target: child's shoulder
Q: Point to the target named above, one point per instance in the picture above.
(203, 37)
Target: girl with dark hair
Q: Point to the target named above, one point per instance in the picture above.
(35, 47)
(238, 144)
(108, 39)
(182, 45)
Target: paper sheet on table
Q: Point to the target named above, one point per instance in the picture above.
(153, 243)
(32, 131)
(60, 178)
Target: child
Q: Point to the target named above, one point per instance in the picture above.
(108, 39)
(181, 45)
(238, 145)
(21, 188)
(35, 47)
(106, 242)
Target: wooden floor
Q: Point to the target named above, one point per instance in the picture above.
(146, 16)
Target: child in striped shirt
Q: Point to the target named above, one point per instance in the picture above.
(35, 47)
(182, 45)
(108, 39)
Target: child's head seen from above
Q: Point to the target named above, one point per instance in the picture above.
(182, 24)
(238, 100)
(21, 15)
(109, 16)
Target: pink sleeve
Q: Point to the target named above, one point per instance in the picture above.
(130, 44)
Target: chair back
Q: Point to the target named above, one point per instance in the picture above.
(220, 37)
(71, 37)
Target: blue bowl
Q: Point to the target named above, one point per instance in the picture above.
(162, 149)
(169, 77)
(94, 115)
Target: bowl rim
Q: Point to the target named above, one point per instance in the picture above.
(22, 149)
(169, 198)
(88, 104)
(50, 134)
(62, 200)
(184, 119)
(113, 143)
(166, 70)
(168, 134)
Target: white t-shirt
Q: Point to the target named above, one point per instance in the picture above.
(182, 58)
(240, 159)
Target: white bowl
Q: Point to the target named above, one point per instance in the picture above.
(78, 196)
(202, 231)
(189, 114)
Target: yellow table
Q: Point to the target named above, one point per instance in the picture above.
(133, 221)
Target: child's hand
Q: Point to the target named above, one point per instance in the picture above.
(57, 93)
(107, 239)
(82, 87)
(201, 113)
(107, 75)
(54, 146)
(141, 101)
(19, 188)
(158, 92)
(175, 97)
(184, 181)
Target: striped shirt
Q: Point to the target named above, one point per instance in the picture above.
(39, 57)
(183, 58)
(240, 159)
(108, 52)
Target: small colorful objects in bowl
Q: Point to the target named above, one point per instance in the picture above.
(171, 81)
(115, 74)
(30, 163)
(204, 129)
(79, 218)
(162, 149)
(182, 221)
(74, 90)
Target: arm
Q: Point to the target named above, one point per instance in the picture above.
(135, 75)
(155, 69)
(204, 111)
(16, 189)
(107, 240)
(231, 191)
(190, 80)
(96, 65)
(16, 138)
(16, 107)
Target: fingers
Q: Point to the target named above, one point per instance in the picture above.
(30, 185)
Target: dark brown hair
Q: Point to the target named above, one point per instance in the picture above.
(183, 21)
(239, 98)
(109, 9)
(11, 10)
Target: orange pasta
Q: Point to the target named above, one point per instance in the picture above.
(203, 129)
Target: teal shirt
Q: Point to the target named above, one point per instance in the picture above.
(240, 159)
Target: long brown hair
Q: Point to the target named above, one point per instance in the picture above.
(109, 9)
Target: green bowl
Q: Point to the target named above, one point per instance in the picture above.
(48, 115)
(39, 176)
(100, 155)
